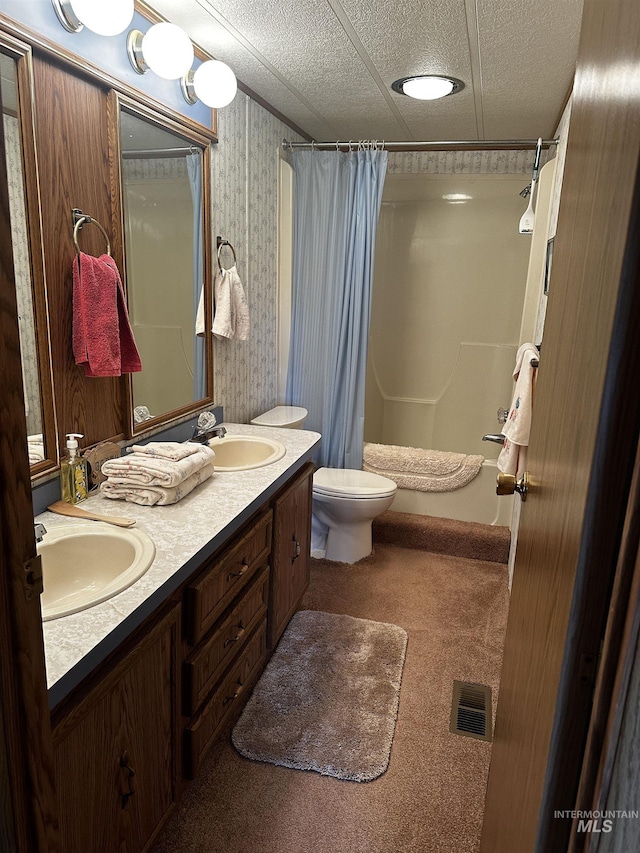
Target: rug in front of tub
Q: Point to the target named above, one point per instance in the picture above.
(328, 698)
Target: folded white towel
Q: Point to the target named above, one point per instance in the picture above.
(174, 450)
(200, 324)
(516, 430)
(141, 469)
(35, 445)
(231, 318)
(155, 495)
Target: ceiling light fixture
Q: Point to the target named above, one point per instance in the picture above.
(427, 87)
(164, 48)
(213, 82)
(105, 19)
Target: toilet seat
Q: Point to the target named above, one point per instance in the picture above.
(351, 483)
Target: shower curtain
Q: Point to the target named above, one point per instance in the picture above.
(336, 206)
(194, 169)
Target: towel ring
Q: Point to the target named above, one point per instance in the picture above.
(220, 245)
(89, 220)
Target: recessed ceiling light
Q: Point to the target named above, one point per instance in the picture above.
(458, 197)
(427, 87)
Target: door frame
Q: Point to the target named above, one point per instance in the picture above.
(28, 814)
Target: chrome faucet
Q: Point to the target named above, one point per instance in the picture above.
(205, 435)
(39, 530)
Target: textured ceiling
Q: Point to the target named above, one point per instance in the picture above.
(328, 65)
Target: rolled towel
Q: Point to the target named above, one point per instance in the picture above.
(155, 495)
(142, 469)
(173, 450)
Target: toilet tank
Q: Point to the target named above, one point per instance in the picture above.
(284, 417)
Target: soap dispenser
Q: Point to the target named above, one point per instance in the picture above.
(73, 473)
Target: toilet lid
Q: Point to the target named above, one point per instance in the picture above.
(281, 416)
(345, 482)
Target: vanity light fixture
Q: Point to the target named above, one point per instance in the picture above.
(213, 82)
(427, 87)
(164, 48)
(107, 18)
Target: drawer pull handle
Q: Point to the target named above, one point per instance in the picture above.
(235, 695)
(297, 549)
(240, 630)
(124, 763)
(245, 566)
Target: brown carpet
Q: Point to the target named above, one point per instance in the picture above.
(430, 800)
(328, 699)
(443, 535)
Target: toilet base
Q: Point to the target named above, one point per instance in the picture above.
(349, 543)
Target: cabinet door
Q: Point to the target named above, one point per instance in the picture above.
(115, 751)
(290, 552)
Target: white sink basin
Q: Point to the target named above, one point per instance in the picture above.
(243, 452)
(86, 563)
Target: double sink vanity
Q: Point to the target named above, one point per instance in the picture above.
(142, 683)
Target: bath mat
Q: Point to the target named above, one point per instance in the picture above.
(328, 699)
(422, 470)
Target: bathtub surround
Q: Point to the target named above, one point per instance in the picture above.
(431, 796)
(423, 470)
(336, 206)
(443, 536)
(328, 699)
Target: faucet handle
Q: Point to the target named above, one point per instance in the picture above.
(39, 530)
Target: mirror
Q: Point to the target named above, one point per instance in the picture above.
(164, 173)
(25, 235)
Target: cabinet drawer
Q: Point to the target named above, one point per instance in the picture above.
(203, 731)
(205, 666)
(219, 582)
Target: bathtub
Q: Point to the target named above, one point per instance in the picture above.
(477, 501)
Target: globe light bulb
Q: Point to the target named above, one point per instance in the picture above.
(167, 50)
(107, 18)
(215, 83)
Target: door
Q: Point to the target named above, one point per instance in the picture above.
(28, 812)
(290, 552)
(583, 438)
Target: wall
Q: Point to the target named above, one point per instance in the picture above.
(245, 167)
(447, 298)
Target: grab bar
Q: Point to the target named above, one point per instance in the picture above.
(498, 438)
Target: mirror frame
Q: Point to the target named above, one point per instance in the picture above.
(115, 104)
(22, 55)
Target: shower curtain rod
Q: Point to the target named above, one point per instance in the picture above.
(451, 145)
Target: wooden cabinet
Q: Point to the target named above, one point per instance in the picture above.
(225, 617)
(119, 744)
(116, 750)
(290, 552)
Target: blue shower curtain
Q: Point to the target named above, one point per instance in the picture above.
(337, 200)
(194, 169)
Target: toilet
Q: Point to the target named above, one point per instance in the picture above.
(284, 417)
(345, 500)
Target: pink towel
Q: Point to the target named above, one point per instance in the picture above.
(102, 338)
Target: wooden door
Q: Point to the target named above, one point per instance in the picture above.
(583, 438)
(115, 751)
(290, 552)
(28, 818)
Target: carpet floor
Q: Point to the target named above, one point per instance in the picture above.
(430, 800)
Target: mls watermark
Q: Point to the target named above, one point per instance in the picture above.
(597, 821)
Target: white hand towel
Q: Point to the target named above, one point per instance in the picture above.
(141, 469)
(231, 319)
(200, 324)
(174, 450)
(516, 430)
(155, 495)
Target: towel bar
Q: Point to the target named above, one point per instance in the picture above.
(80, 219)
(220, 243)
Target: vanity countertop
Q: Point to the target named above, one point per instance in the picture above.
(185, 534)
